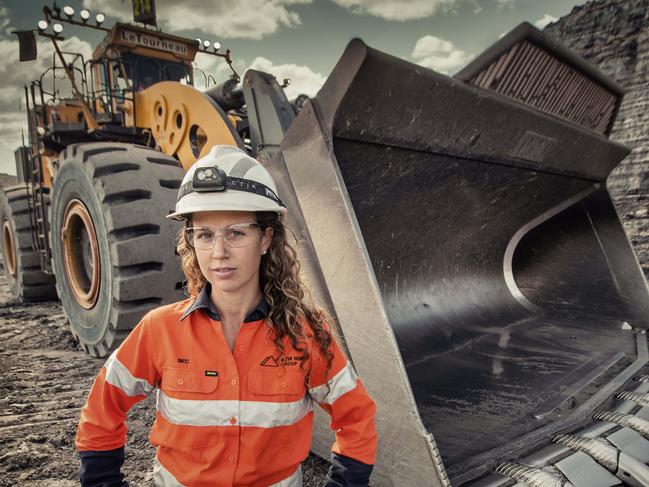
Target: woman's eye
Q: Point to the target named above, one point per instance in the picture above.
(235, 233)
(203, 235)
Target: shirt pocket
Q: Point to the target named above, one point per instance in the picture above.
(188, 383)
(277, 385)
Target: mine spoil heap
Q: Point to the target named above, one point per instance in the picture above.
(614, 36)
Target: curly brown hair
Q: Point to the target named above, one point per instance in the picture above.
(283, 289)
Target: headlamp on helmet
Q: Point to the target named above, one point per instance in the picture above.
(207, 179)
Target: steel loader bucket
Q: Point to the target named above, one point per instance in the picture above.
(471, 255)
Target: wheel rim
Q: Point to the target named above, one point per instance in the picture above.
(81, 254)
(9, 245)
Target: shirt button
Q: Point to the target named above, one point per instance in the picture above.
(233, 420)
(233, 382)
(180, 382)
(283, 384)
(241, 348)
(231, 458)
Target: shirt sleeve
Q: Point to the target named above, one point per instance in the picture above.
(127, 377)
(341, 393)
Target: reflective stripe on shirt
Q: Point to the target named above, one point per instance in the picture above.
(163, 478)
(341, 383)
(216, 412)
(119, 376)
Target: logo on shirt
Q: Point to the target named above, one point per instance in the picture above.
(288, 361)
(269, 362)
(183, 360)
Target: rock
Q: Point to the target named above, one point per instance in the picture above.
(614, 36)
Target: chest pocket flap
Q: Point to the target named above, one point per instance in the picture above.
(188, 380)
(276, 382)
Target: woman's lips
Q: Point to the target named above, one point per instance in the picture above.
(224, 272)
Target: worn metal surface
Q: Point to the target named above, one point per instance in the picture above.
(471, 243)
(528, 66)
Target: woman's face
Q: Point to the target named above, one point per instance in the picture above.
(231, 269)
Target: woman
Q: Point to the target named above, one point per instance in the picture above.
(239, 364)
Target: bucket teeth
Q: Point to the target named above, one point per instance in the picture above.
(605, 455)
(643, 378)
(630, 421)
(530, 476)
(637, 397)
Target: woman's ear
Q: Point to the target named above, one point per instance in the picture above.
(266, 239)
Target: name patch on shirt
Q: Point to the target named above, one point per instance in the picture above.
(211, 373)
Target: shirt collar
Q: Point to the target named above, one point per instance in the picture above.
(204, 302)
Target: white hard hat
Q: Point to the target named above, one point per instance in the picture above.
(227, 179)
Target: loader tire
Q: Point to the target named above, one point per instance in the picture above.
(20, 262)
(112, 248)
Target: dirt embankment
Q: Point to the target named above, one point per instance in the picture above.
(44, 381)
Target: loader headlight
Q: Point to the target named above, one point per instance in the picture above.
(57, 28)
(217, 46)
(84, 14)
(68, 11)
(42, 24)
(99, 18)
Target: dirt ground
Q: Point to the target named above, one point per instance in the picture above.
(44, 381)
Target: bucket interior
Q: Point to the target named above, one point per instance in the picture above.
(503, 296)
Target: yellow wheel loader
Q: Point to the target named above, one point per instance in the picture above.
(458, 229)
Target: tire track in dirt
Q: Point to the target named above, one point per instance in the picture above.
(44, 380)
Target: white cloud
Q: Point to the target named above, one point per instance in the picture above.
(545, 20)
(439, 54)
(303, 79)
(15, 75)
(10, 124)
(214, 70)
(250, 19)
(5, 20)
(397, 9)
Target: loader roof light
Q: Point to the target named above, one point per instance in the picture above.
(68, 11)
(85, 15)
(217, 46)
(42, 24)
(99, 18)
(57, 28)
(200, 41)
(206, 43)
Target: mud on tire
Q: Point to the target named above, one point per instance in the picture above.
(112, 247)
(20, 262)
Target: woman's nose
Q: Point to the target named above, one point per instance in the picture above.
(220, 248)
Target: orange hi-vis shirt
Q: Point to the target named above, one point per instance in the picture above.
(238, 417)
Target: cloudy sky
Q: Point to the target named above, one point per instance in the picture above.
(296, 39)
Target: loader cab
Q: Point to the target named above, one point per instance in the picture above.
(139, 58)
(142, 72)
(131, 59)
